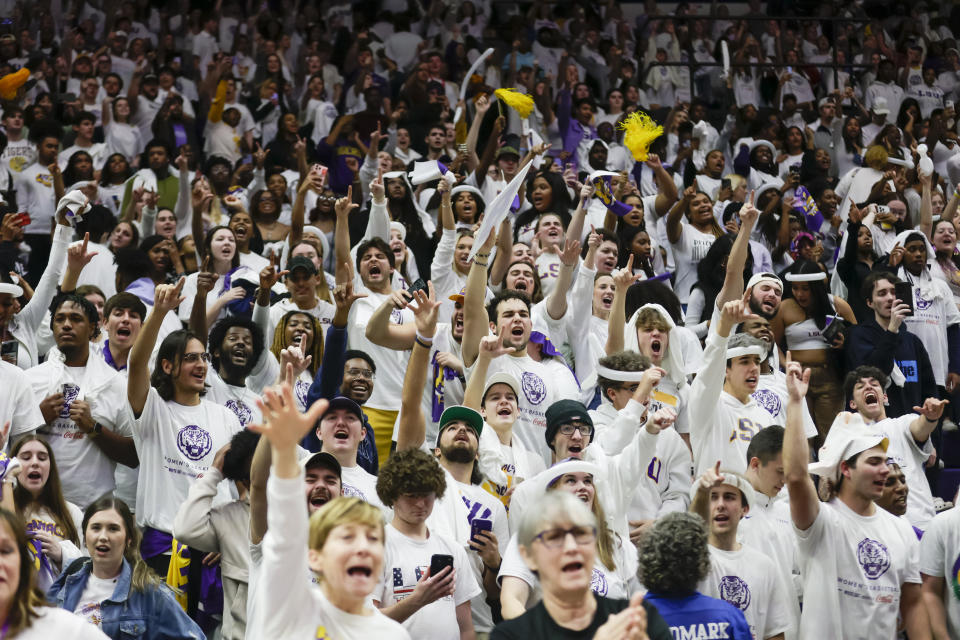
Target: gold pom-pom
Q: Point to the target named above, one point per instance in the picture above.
(641, 130)
(519, 102)
(13, 81)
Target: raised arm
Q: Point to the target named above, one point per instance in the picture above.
(206, 280)
(378, 224)
(475, 323)
(926, 207)
(675, 217)
(77, 259)
(166, 298)
(341, 232)
(557, 300)
(804, 504)
(926, 422)
(733, 280)
(298, 212)
(482, 105)
(616, 321)
(183, 209)
(381, 331)
(667, 193)
(412, 428)
(504, 256)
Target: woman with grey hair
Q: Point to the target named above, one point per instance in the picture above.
(558, 542)
(673, 559)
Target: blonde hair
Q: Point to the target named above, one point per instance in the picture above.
(280, 339)
(342, 511)
(876, 158)
(735, 180)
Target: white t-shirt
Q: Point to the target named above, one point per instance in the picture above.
(391, 364)
(537, 393)
(60, 623)
(903, 448)
(323, 311)
(929, 322)
(688, 251)
(17, 403)
(868, 559)
(940, 557)
(519, 464)
(482, 505)
(548, 268)
(405, 560)
(747, 579)
(95, 592)
(176, 443)
(240, 400)
(356, 482)
(35, 194)
(771, 394)
(85, 471)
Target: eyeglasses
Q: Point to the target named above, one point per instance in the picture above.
(361, 373)
(554, 538)
(632, 388)
(568, 429)
(194, 356)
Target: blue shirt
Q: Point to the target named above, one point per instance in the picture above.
(702, 617)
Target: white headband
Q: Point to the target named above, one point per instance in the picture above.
(619, 376)
(753, 350)
(805, 277)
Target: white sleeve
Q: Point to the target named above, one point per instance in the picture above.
(378, 224)
(192, 524)
(512, 565)
(36, 310)
(284, 557)
(932, 548)
(466, 587)
(703, 397)
(441, 270)
(266, 369)
(676, 495)
(624, 427)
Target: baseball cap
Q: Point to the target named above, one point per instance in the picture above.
(848, 436)
(150, 77)
(766, 276)
(322, 459)
(502, 377)
(13, 289)
(733, 479)
(507, 150)
(343, 402)
(459, 412)
(458, 297)
(880, 106)
(561, 412)
(301, 262)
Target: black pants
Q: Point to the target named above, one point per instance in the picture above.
(40, 244)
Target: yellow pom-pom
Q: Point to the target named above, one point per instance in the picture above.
(641, 130)
(519, 102)
(13, 81)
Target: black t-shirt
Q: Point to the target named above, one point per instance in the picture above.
(536, 624)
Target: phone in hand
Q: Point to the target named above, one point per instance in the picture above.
(725, 183)
(418, 285)
(440, 561)
(9, 351)
(478, 525)
(904, 293)
(23, 219)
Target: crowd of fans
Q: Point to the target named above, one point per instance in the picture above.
(298, 289)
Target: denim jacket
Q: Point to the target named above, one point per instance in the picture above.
(144, 615)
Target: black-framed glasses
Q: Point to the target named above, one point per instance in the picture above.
(194, 356)
(585, 429)
(367, 374)
(554, 538)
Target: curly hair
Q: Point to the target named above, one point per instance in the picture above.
(89, 311)
(674, 555)
(316, 348)
(410, 472)
(621, 361)
(219, 332)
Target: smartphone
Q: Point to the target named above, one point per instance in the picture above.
(9, 350)
(70, 393)
(904, 293)
(439, 561)
(789, 69)
(725, 183)
(418, 285)
(795, 169)
(273, 96)
(478, 525)
(882, 208)
(24, 219)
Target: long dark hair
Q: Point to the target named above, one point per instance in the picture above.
(51, 496)
(70, 175)
(560, 205)
(712, 270)
(171, 349)
(108, 177)
(847, 141)
(820, 304)
(143, 577)
(405, 212)
(235, 262)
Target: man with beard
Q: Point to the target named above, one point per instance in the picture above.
(445, 382)
(157, 177)
(883, 341)
(81, 400)
(322, 483)
(240, 365)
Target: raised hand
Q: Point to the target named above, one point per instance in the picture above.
(167, 297)
(711, 478)
(284, 426)
(77, 255)
(345, 205)
(482, 104)
(292, 356)
(344, 296)
(493, 347)
(653, 161)
(425, 313)
(932, 409)
(748, 212)
(269, 275)
(377, 190)
(735, 312)
(661, 419)
(623, 278)
(570, 253)
(798, 379)
(586, 192)
(650, 379)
